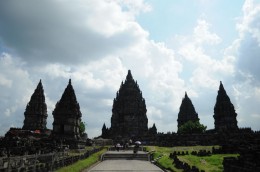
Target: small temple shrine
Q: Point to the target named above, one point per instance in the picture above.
(187, 112)
(224, 112)
(35, 114)
(67, 115)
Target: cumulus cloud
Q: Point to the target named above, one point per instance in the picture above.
(94, 43)
(248, 43)
(203, 68)
(15, 86)
(196, 51)
(64, 31)
(246, 49)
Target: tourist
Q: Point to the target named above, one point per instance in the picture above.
(136, 147)
(118, 147)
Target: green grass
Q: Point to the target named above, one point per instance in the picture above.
(74, 152)
(83, 164)
(164, 161)
(180, 148)
(211, 163)
(206, 163)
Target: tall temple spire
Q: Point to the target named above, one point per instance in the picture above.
(186, 96)
(36, 110)
(129, 76)
(187, 112)
(129, 118)
(224, 111)
(67, 115)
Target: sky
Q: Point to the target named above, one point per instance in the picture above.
(169, 46)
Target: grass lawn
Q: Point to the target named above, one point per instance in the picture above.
(76, 152)
(83, 164)
(206, 163)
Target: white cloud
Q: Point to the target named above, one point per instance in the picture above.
(246, 49)
(4, 81)
(66, 32)
(248, 43)
(135, 6)
(251, 20)
(94, 43)
(15, 92)
(203, 35)
(195, 51)
(257, 116)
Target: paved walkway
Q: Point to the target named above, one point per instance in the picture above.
(125, 152)
(125, 165)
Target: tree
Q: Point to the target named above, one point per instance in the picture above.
(82, 128)
(105, 132)
(191, 127)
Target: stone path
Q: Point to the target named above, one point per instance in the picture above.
(124, 163)
(125, 166)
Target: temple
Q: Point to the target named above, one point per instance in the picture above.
(153, 130)
(129, 118)
(224, 112)
(67, 116)
(187, 112)
(36, 111)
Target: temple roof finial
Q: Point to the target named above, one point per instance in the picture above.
(221, 87)
(129, 76)
(39, 86)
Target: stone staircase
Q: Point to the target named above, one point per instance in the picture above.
(126, 155)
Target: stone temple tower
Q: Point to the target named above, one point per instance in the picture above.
(187, 112)
(224, 112)
(36, 111)
(67, 116)
(129, 118)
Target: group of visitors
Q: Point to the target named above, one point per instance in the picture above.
(125, 145)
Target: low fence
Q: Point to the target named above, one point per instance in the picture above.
(41, 162)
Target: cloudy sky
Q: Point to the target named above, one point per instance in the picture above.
(170, 47)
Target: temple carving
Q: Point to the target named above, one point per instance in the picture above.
(129, 118)
(187, 112)
(67, 115)
(224, 112)
(36, 111)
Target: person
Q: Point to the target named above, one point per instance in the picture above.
(124, 146)
(118, 147)
(136, 147)
(130, 142)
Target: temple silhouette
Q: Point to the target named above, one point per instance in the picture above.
(129, 121)
(35, 114)
(129, 118)
(67, 116)
(187, 112)
(224, 112)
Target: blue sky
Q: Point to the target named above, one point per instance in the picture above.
(170, 47)
(169, 18)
